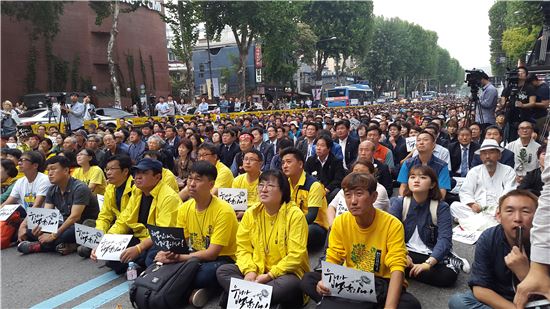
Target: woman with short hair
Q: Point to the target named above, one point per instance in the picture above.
(271, 244)
(89, 172)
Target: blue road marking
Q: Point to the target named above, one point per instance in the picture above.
(77, 291)
(105, 297)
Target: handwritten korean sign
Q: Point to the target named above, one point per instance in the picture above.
(246, 294)
(411, 143)
(349, 283)
(168, 239)
(47, 219)
(111, 246)
(87, 236)
(238, 198)
(7, 210)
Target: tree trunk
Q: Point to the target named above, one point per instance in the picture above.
(115, 10)
(187, 51)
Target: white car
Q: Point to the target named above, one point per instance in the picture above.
(105, 115)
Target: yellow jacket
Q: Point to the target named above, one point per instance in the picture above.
(289, 243)
(110, 211)
(170, 179)
(163, 212)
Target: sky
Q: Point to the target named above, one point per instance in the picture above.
(461, 25)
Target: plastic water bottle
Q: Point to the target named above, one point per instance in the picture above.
(131, 273)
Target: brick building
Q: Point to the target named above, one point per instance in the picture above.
(81, 47)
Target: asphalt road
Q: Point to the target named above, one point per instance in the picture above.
(48, 280)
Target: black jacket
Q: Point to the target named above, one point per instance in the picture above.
(506, 157)
(351, 151)
(227, 155)
(455, 151)
(532, 182)
(330, 175)
(383, 176)
(267, 151)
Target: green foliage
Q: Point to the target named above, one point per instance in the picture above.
(43, 15)
(102, 10)
(153, 72)
(142, 68)
(60, 74)
(404, 51)
(514, 27)
(132, 76)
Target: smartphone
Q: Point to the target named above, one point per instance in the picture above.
(519, 238)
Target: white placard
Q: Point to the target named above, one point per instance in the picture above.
(100, 200)
(465, 237)
(87, 236)
(12, 145)
(459, 182)
(247, 294)
(7, 210)
(411, 143)
(238, 198)
(47, 219)
(349, 283)
(111, 246)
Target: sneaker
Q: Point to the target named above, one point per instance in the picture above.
(65, 249)
(27, 247)
(459, 263)
(199, 298)
(84, 252)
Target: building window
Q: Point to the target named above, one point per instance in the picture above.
(171, 56)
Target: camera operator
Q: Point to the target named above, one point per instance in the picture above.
(540, 106)
(519, 111)
(74, 113)
(485, 113)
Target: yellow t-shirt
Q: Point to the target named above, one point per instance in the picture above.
(217, 224)
(170, 179)
(225, 177)
(379, 249)
(94, 175)
(242, 183)
(312, 195)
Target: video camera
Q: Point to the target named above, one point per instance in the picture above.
(473, 78)
(59, 98)
(512, 80)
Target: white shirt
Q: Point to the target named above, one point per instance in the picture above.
(415, 244)
(171, 108)
(342, 143)
(162, 109)
(540, 237)
(479, 187)
(26, 192)
(531, 161)
(382, 201)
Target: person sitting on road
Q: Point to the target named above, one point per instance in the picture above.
(308, 194)
(210, 227)
(366, 239)
(524, 149)
(245, 144)
(117, 194)
(325, 167)
(152, 202)
(483, 185)
(338, 205)
(429, 242)
(76, 204)
(252, 164)
(533, 180)
(383, 175)
(209, 152)
(425, 144)
(282, 260)
(167, 176)
(501, 259)
(506, 157)
(88, 172)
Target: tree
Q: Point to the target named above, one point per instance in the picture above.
(104, 10)
(349, 22)
(496, 28)
(247, 21)
(183, 18)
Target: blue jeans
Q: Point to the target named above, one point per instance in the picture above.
(466, 301)
(67, 237)
(206, 275)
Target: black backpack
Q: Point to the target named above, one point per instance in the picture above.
(164, 285)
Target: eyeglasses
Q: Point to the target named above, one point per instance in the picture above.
(204, 155)
(25, 159)
(269, 186)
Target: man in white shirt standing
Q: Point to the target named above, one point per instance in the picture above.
(483, 186)
(162, 107)
(171, 106)
(525, 149)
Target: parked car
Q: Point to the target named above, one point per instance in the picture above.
(105, 115)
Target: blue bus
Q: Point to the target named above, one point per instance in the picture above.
(352, 95)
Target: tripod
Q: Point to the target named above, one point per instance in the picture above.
(62, 119)
(473, 106)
